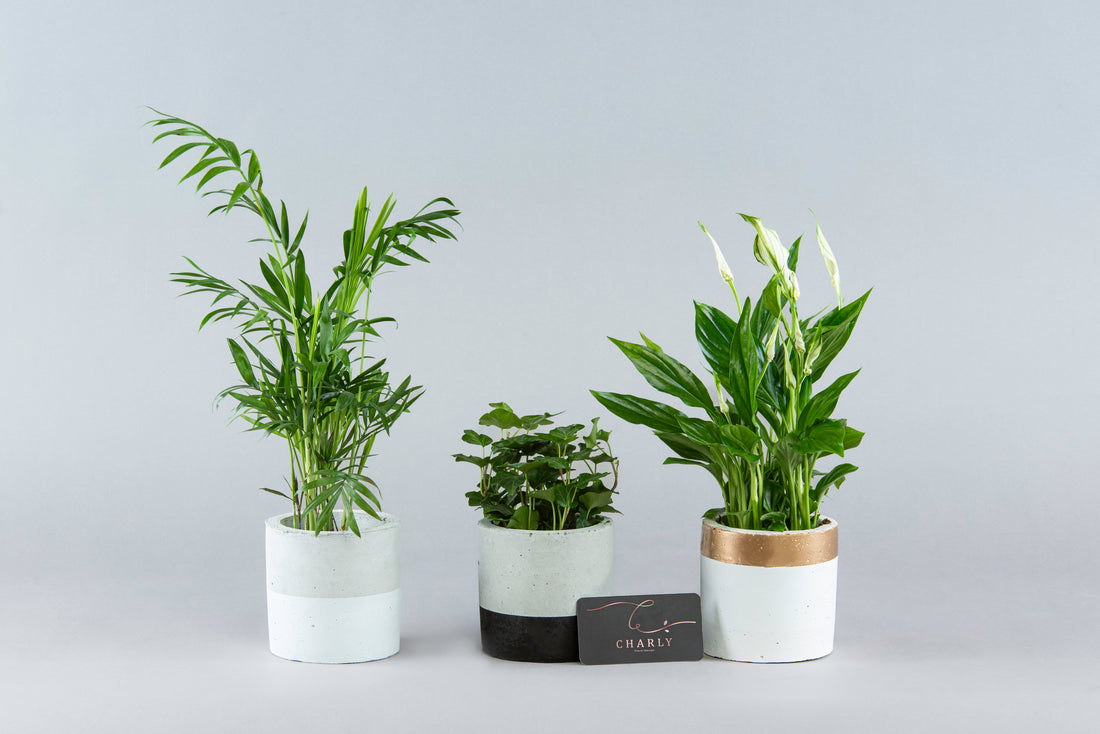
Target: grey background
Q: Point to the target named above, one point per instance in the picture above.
(950, 150)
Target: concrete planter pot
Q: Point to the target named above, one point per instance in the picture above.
(528, 585)
(333, 597)
(768, 597)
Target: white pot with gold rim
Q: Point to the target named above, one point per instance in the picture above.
(768, 597)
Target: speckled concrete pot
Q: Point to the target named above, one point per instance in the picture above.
(768, 597)
(333, 597)
(528, 585)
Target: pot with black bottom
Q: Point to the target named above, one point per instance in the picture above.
(768, 597)
(528, 585)
(333, 597)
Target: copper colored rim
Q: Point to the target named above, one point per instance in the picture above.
(768, 549)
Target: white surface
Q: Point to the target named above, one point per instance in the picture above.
(949, 149)
(333, 597)
(767, 615)
(543, 573)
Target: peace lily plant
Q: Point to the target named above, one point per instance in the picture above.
(303, 353)
(767, 424)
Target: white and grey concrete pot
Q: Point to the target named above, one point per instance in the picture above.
(528, 585)
(768, 597)
(333, 597)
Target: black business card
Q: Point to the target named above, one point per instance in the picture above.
(657, 628)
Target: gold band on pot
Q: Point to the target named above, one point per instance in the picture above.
(768, 549)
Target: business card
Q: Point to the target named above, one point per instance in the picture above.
(656, 628)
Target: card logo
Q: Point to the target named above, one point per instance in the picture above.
(639, 629)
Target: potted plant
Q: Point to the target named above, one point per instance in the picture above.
(307, 375)
(544, 540)
(768, 567)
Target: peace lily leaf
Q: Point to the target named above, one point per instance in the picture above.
(714, 332)
(833, 478)
(821, 406)
(658, 416)
(667, 375)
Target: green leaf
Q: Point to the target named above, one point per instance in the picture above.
(684, 447)
(773, 297)
(242, 362)
(640, 411)
(178, 152)
(826, 437)
(594, 501)
(715, 331)
(200, 165)
(852, 438)
(714, 513)
(709, 466)
(740, 441)
(211, 173)
(834, 477)
(475, 438)
(524, 518)
(792, 256)
(700, 431)
(501, 416)
(253, 167)
(667, 375)
(238, 192)
(650, 343)
(531, 422)
(481, 461)
(833, 329)
(231, 150)
(746, 365)
(821, 406)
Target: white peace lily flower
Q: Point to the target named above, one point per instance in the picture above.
(830, 263)
(787, 373)
(770, 251)
(799, 344)
(723, 267)
(793, 291)
(815, 352)
(722, 406)
(770, 348)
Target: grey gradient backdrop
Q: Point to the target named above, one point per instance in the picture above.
(950, 150)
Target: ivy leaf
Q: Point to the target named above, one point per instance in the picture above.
(475, 438)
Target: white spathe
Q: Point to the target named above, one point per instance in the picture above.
(542, 573)
(333, 597)
(768, 615)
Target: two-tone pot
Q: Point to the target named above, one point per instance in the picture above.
(768, 597)
(333, 597)
(529, 582)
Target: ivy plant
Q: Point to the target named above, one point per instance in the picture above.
(537, 477)
(768, 423)
(304, 353)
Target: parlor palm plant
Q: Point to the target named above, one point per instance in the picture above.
(304, 354)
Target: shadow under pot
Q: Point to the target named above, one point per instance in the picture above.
(333, 597)
(529, 582)
(768, 597)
